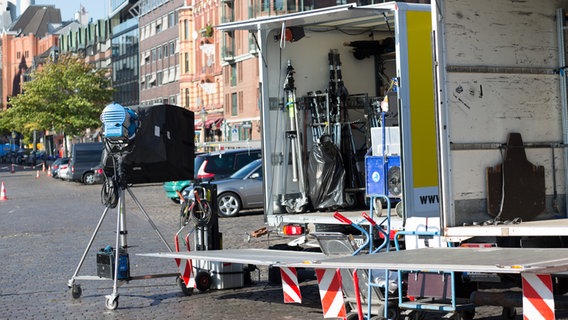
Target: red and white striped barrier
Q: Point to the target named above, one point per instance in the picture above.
(290, 285)
(331, 295)
(538, 298)
(185, 269)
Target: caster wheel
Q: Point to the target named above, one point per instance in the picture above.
(399, 209)
(203, 281)
(111, 303)
(76, 291)
(393, 313)
(352, 316)
(186, 291)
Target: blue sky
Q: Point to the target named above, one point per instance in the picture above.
(96, 9)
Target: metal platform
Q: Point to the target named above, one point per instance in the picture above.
(486, 260)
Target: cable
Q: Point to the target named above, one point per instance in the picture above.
(109, 193)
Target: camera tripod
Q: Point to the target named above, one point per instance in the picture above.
(115, 188)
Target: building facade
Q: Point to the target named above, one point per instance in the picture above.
(24, 41)
(125, 53)
(159, 52)
(201, 82)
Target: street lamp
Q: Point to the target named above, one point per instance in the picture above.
(203, 119)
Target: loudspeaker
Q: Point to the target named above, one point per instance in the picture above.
(163, 148)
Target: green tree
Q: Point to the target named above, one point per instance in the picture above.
(68, 95)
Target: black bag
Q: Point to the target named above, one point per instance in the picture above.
(326, 175)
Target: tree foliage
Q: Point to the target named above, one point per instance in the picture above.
(68, 95)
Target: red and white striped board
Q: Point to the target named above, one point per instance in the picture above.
(331, 295)
(538, 297)
(185, 269)
(290, 285)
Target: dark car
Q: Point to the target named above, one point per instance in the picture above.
(212, 167)
(85, 156)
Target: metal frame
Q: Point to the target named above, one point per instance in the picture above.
(111, 301)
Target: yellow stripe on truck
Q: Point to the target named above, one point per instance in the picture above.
(421, 83)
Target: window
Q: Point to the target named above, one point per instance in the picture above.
(187, 98)
(172, 47)
(154, 54)
(233, 74)
(172, 21)
(165, 50)
(159, 52)
(160, 77)
(186, 29)
(159, 26)
(234, 104)
(186, 67)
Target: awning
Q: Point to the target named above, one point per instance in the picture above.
(209, 123)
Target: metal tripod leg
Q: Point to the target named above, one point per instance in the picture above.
(111, 301)
(71, 281)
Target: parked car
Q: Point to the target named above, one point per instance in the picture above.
(85, 156)
(241, 190)
(55, 166)
(172, 187)
(64, 172)
(98, 174)
(213, 166)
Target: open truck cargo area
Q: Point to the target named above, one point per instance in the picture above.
(341, 80)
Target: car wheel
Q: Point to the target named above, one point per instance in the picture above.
(229, 204)
(89, 178)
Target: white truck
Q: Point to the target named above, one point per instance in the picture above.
(482, 108)
(483, 114)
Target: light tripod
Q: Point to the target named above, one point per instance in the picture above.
(113, 192)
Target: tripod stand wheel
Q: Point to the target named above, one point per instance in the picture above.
(76, 291)
(111, 302)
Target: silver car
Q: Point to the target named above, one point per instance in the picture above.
(241, 190)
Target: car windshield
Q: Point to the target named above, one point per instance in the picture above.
(244, 171)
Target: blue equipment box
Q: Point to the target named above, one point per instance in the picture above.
(105, 264)
(383, 176)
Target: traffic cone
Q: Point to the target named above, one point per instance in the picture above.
(49, 171)
(13, 168)
(3, 193)
(37, 174)
(43, 167)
